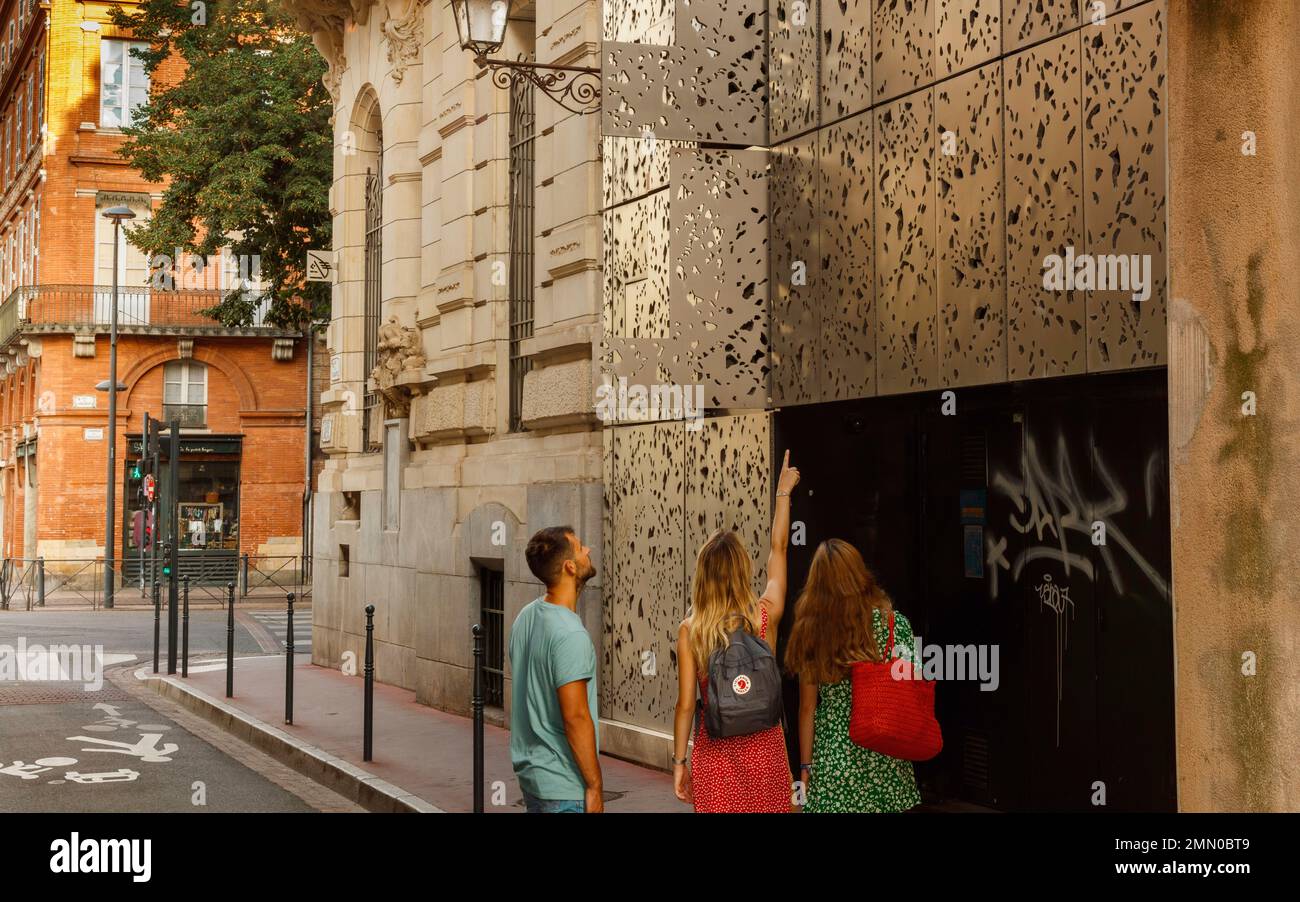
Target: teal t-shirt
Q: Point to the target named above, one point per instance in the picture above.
(549, 647)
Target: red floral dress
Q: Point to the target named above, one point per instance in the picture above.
(740, 774)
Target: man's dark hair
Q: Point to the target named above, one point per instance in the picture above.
(547, 551)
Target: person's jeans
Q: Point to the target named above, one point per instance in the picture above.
(534, 805)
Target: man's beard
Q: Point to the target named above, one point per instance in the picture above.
(583, 578)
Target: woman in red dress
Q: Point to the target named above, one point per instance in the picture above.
(740, 774)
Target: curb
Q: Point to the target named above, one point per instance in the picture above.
(343, 777)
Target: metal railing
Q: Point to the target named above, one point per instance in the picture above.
(283, 573)
(31, 581)
(55, 308)
(20, 579)
(27, 583)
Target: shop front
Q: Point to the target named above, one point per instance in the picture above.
(205, 509)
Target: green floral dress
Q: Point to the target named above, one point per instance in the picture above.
(846, 777)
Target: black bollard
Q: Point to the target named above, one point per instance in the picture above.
(157, 622)
(476, 704)
(230, 640)
(185, 628)
(245, 561)
(288, 665)
(368, 744)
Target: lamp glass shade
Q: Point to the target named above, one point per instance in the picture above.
(118, 214)
(481, 24)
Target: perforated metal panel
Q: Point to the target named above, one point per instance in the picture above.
(636, 268)
(966, 33)
(792, 67)
(1030, 21)
(971, 228)
(845, 57)
(906, 310)
(1044, 153)
(797, 287)
(668, 487)
(719, 274)
(637, 20)
(632, 167)
(613, 576)
(902, 33)
(847, 352)
(1124, 172)
(922, 270)
(647, 593)
(728, 486)
(686, 280)
(709, 85)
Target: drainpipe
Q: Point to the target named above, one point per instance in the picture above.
(306, 484)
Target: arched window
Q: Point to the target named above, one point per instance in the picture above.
(374, 286)
(185, 394)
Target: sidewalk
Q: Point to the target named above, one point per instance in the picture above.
(423, 758)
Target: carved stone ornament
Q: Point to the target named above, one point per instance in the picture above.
(325, 21)
(400, 351)
(403, 30)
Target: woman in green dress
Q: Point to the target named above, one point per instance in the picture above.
(841, 618)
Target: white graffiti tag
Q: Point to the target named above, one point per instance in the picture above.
(1049, 506)
(145, 748)
(1050, 595)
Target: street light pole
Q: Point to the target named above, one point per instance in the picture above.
(117, 215)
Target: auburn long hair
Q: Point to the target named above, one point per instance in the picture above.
(722, 595)
(832, 621)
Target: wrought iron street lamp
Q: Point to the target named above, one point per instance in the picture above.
(117, 215)
(481, 26)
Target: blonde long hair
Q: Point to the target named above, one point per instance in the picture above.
(722, 595)
(833, 618)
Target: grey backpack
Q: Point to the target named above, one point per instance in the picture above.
(744, 688)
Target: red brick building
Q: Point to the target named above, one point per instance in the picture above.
(67, 86)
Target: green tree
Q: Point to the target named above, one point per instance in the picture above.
(244, 136)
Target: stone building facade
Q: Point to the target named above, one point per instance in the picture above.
(458, 415)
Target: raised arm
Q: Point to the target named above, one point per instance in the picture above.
(684, 714)
(774, 594)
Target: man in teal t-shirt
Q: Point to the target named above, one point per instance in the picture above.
(553, 737)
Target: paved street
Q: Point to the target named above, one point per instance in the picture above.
(277, 624)
(66, 746)
(131, 632)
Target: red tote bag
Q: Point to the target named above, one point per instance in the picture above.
(891, 716)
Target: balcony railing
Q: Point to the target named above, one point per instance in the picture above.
(65, 308)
